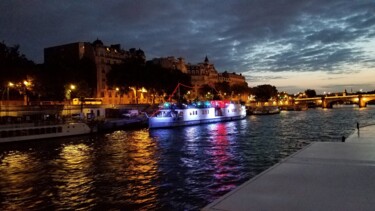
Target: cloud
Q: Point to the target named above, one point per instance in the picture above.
(242, 35)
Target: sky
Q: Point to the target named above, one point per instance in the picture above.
(326, 45)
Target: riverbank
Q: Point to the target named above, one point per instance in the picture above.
(321, 176)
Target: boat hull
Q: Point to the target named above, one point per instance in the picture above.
(168, 118)
(170, 122)
(43, 132)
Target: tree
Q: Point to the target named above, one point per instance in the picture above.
(155, 78)
(55, 77)
(240, 89)
(205, 89)
(264, 92)
(15, 68)
(223, 88)
(310, 93)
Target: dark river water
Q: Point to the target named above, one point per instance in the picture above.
(167, 169)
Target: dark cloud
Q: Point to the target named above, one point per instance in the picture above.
(349, 87)
(242, 35)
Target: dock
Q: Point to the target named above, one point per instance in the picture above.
(321, 176)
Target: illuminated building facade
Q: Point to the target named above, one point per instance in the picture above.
(171, 63)
(205, 73)
(103, 56)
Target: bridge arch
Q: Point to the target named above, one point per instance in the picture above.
(365, 99)
(361, 100)
(330, 103)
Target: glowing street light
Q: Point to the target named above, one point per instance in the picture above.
(69, 91)
(10, 84)
(26, 83)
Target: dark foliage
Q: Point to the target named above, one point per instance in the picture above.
(156, 79)
(264, 92)
(310, 93)
(14, 66)
(55, 79)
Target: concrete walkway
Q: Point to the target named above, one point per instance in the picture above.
(322, 176)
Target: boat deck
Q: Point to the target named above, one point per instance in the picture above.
(322, 176)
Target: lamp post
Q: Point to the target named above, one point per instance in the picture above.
(118, 93)
(10, 84)
(69, 91)
(26, 87)
(135, 94)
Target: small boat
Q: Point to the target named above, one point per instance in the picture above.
(172, 115)
(268, 110)
(300, 107)
(23, 132)
(139, 121)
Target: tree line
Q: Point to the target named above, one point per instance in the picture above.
(50, 81)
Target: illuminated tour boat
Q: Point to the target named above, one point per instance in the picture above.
(172, 115)
(32, 132)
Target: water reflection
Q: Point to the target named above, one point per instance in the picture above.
(128, 167)
(222, 157)
(74, 177)
(168, 169)
(16, 183)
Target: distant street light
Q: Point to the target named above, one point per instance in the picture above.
(69, 91)
(10, 84)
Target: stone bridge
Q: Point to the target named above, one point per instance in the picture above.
(328, 101)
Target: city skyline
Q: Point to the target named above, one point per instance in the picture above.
(293, 45)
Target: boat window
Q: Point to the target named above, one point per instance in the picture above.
(59, 129)
(30, 132)
(54, 130)
(42, 130)
(36, 131)
(10, 133)
(24, 132)
(3, 134)
(17, 133)
(48, 130)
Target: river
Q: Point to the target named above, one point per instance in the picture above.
(167, 169)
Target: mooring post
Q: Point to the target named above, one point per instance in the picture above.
(358, 128)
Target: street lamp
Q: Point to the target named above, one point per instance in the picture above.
(118, 93)
(26, 87)
(135, 94)
(69, 91)
(10, 84)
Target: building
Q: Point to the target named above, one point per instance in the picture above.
(171, 63)
(205, 73)
(103, 56)
(201, 74)
(231, 78)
